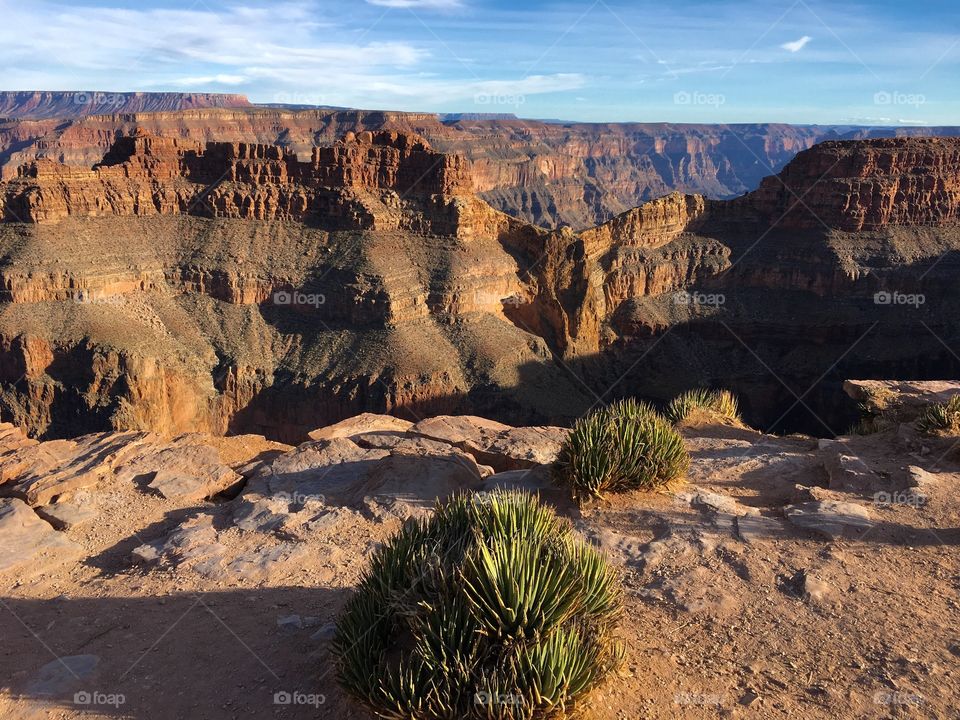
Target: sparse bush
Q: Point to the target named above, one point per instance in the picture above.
(941, 418)
(871, 422)
(492, 608)
(625, 446)
(708, 404)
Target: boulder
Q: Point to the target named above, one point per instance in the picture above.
(492, 443)
(27, 543)
(829, 517)
(359, 424)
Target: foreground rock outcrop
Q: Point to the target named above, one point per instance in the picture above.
(179, 286)
(756, 589)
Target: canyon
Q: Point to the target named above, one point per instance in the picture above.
(547, 173)
(230, 287)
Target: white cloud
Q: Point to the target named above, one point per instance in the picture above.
(221, 79)
(419, 4)
(797, 45)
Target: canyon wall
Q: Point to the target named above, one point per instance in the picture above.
(235, 287)
(546, 173)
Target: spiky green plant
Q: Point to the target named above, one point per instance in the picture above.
(626, 446)
(712, 404)
(491, 608)
(941, 418)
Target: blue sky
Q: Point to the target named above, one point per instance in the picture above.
(800, 61)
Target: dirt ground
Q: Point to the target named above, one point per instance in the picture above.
(733, 610)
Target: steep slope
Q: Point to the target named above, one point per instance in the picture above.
(232, 287)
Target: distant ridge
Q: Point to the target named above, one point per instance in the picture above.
(43, 104)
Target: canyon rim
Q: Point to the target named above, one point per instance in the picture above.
(438, 359)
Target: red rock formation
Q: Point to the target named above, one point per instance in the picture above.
(579, 174)
(142, 293)
(867, 185)
(145, 175)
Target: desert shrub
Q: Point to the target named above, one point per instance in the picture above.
(940, 418)
(872, 421)
(625, 446)
(491, 608)
(710, 404)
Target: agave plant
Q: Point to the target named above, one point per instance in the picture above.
(625, 446)
(714, 404)
(943, 418)
(492, 608)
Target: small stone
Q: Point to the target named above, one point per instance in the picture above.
(325, 633)
(290, 622)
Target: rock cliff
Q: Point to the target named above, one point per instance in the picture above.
(551, 174)
(233, 287)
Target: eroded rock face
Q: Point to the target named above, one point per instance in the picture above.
(182, 286)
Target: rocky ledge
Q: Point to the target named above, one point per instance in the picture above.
(788, 577)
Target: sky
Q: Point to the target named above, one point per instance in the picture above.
(796, 61)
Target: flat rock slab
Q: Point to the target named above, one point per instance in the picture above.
(500, 446)
(187, 469)
(29, 543)
(40, 473)
(829, 517)
(61, 676)
(459, 429)
(363, 423)
(66, 515)
(847, 471)
(338, 471)
(521, 448)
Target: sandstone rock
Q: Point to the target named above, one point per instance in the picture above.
(757, 528)
(40, 473)
(830, 518)
(66, 515)
(361, 424)
(500, 446)
(28, 544)
(925, 482)
(521, 448)
(848, 472)
(459, 430)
